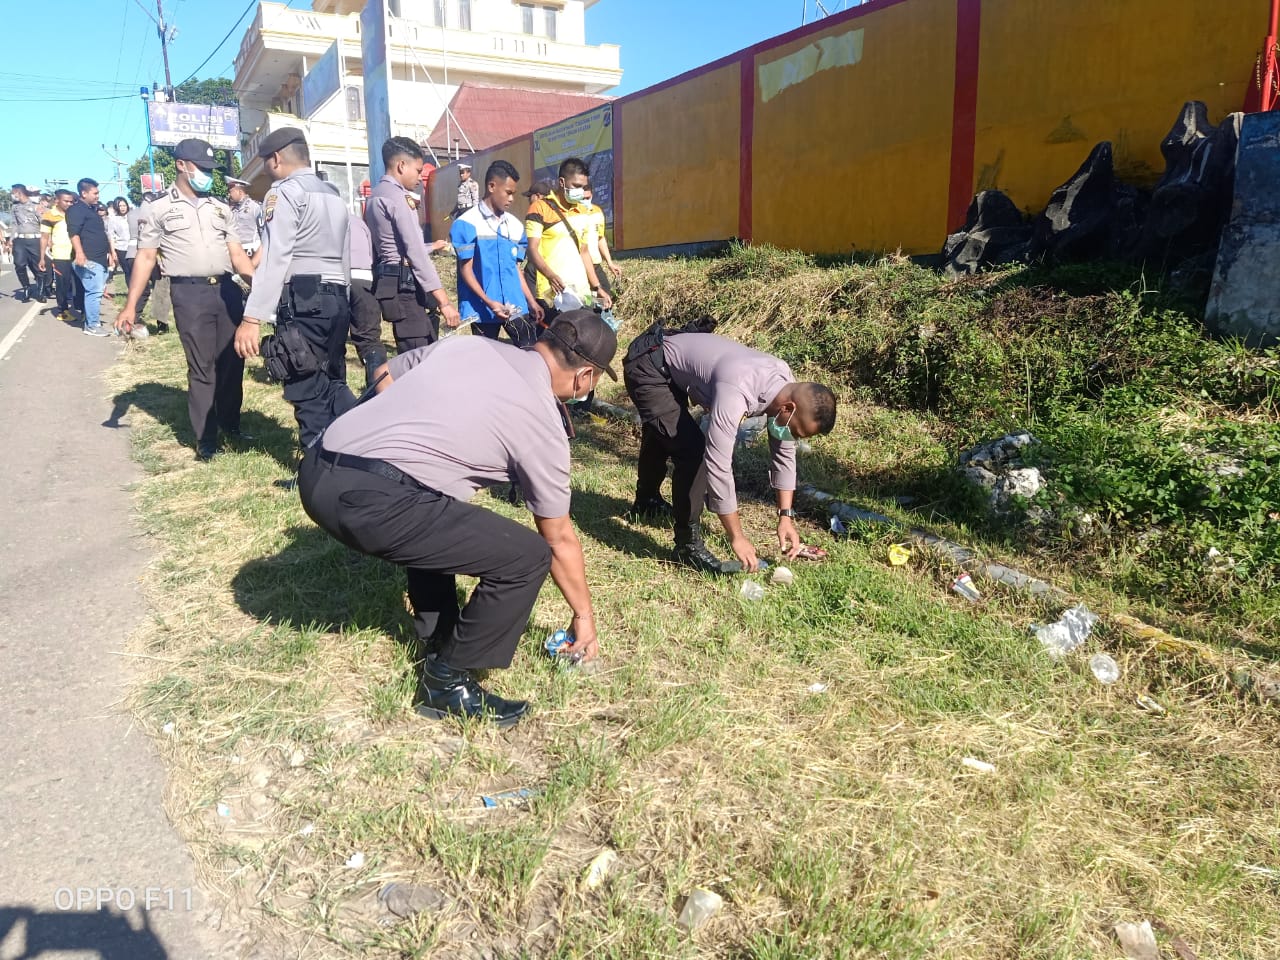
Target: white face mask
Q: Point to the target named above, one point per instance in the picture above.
(586, 393)
(575, 194)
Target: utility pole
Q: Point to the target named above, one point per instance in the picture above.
(115, 158)
(166, 34)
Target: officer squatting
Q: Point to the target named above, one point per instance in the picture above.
(391, 475)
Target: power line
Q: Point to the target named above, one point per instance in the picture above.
(234, 27)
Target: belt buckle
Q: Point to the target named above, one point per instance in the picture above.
(212, 280)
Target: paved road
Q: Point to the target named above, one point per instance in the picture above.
(80, 788)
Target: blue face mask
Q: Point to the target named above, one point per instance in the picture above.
(201, 180)
(781, 431)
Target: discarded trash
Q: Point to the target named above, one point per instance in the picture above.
(816, 688)
(223, 810)
(169, 728)
(751, 591)
(510, 798)
(1104, 668)
(899, 554)
(297, 758)
(599, 869)
(981, 766)
(406, 899)
(699, 907)
(963, 585)
(1070, 630)
(355, 861)
(1148, 704)
(782, 575)
(1138, 940)
(307, 830)
(556, 643)
(807, 552)
(838, 528)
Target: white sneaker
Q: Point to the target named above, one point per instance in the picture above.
(97, 331)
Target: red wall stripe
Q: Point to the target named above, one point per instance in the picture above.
(746, 135)
(964, 119)
(618, 187)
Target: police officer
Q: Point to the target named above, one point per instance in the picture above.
(366, 316)
(407, 284)
(468, 190)
(192, 234)
(26, 245)
(246, 215)
(391, 478)
(301, 284)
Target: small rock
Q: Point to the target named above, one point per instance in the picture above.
(406, 899)
(297, 758)
(1138, 940)
(1023, 482)
(980, 476)
(260, 777)
(782, 575)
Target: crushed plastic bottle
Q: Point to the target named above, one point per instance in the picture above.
(1068, 632)
(752, 591)
(1104, 668)
(699, 907)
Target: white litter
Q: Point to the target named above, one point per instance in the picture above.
(355, 861)
(981, 766)
(816, 688)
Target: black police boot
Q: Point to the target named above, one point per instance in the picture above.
(651, 508)
(161, 327)
(691, 551)
(206, 451)
(445, 692)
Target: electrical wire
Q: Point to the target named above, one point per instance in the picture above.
(234, 27)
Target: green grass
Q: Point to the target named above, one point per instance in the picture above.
(834, 824)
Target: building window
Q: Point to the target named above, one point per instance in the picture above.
(526, 18)
(437, 12)
(551, 23)
(464, 14)
(394, 6)
(355, 104)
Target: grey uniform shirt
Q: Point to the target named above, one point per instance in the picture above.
(191, 235)
(246, 218)
(392, 216)
(509, 430)
(135, 218)
(361, 245)
(468, 194)
(305, 232)
(733, 382)
(26, 219)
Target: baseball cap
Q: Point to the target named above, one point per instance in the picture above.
(584, 333)
(280, 139)
(542, 186)
(195, 151)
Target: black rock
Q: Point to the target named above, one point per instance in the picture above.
(1077, 224)
(994, 233)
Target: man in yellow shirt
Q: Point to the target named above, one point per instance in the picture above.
(556, 245)
(597, 242)
(55, 245)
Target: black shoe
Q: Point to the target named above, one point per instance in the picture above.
(654, 508)
(290, 484)
(445, 692)
(162, 327)
(697, 556)
(238, 434)
(206, 452)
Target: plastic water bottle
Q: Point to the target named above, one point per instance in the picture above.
(752, 591)
(1104, 668)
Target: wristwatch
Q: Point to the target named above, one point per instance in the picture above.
(788, 512)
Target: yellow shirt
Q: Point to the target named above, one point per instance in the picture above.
(592, 230)
(54, 224)
(545, 223)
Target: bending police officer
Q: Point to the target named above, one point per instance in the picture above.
(301, 283)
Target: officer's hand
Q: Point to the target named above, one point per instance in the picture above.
(247, 340)
(556, 283)
(788, 538)
(585, 644)
(745, 551)
(604, 300)
(536, 311)
(617, 270)
(125, 319)
(451, 315)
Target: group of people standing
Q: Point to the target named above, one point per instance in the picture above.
(390, 474)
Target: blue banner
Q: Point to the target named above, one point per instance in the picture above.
(321, 82)
(171, 123)
(377, 83)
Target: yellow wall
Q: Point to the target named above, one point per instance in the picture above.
(1057, 78)
(860, 155)
(444, 189)
(680, 166)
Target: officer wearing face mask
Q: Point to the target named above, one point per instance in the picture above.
(192, 234)
(663, 371)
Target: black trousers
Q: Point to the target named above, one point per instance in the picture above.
(366, 318)
(412, 322)
(320, 398)
(207, 316)
(522, 331)
(26, 257)
(667, 431)
(436, 537)
(67, 286)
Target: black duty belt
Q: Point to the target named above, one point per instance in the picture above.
(390, 269)
(378, 467)
(327, 286)
(210, 281)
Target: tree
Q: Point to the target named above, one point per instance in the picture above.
(216, 91)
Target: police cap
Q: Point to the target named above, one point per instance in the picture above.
(583, 332)
(274, 142)
(195, 151)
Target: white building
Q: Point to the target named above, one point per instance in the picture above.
(436, 46)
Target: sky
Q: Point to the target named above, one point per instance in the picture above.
(62, 99)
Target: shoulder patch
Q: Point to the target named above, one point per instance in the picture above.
(268, 206)
(411, 200)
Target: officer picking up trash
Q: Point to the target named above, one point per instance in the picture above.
(391, 478)
(301, 286)
(663, 371)
(407, 285)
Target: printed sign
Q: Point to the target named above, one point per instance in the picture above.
(377, 83)
(588, 136)
(322, 81)
(171, 123)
